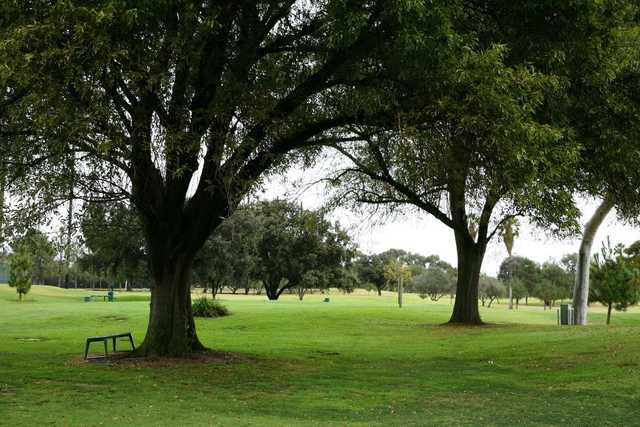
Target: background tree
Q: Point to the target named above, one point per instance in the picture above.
(396, 271)
(114, 244)
(519, 291)
(41, 253)
(561, 278)
(434, 283)
(294, 241)
(554, 284)
(20, 272)
(229, 258)
(509, 230)
(370, 269)
(490, 290)
(614, 281)
(523, 270)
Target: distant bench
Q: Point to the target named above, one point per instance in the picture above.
(105, 339)
(108, 297)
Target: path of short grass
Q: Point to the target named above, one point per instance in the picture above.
(358, 360)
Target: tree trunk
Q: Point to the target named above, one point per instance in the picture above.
(379, 292)
(609, 314)
(272, 292)
(470, 256)
(581, 288)
(510, 295)
(171, 330)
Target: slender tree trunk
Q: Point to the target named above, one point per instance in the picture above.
(171, 330)
(470, 256)
(609, 314)
(581, 288)
(3, 188)
(379, 292)
(510, 295)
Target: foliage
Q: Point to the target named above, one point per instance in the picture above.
(41, 252)
(370, 270)
(555, 283)
(509, 230)
(614, 280)
(518, 290)
(182, 108)
(20, 272)
(522, 269)
(229, 257)
(203, 307)
(490, 289)
(395, 271)
(294, 241)
(434, 283)
(115, 248)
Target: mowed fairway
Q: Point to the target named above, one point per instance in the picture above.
(358, 360)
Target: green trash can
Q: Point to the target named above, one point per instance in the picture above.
(87, 299)
(565, 314)
(327, 299)
(110, 296)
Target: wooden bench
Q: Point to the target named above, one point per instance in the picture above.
(105, 339)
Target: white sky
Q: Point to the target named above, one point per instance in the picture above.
(421, 233)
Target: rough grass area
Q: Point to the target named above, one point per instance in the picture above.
(358, 360)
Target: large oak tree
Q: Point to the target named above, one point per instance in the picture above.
(182, 107)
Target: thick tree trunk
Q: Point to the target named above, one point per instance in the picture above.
(470, 256)
(581, 288)
(609, 314)
(379, 292)
(272, 292)
(171, 330)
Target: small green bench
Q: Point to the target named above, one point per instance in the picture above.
(108, 297)
(105, 339)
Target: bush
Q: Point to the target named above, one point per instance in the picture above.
(203, 307)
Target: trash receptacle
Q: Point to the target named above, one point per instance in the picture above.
(327, 299)
(565, 314)
(87, 299)
(110, 296)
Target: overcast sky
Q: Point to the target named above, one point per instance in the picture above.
(423, 234)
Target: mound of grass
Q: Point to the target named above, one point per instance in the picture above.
(203, 307)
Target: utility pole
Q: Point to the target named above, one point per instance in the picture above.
(67, 249)
(400, 285)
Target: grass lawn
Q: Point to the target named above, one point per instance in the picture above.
(358, 360)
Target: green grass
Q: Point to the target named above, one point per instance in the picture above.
(358, 360)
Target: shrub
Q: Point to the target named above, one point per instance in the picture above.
(20, 271)
(203, 307)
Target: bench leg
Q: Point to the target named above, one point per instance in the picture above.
(133, 347)
(86, 350)
(114, 344)
(106, 349)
